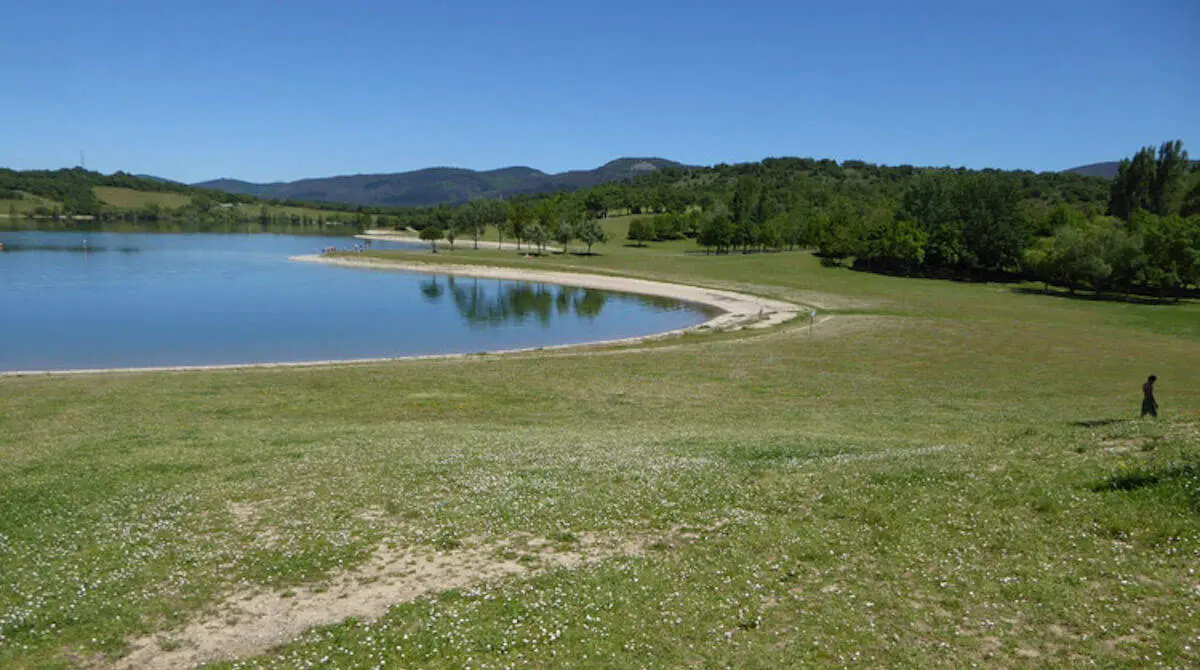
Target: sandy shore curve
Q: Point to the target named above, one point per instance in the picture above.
(735, 311)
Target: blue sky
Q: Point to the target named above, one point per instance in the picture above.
(269, 91)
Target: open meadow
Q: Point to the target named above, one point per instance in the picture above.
(126, 198)
(938, 474)
(26, 203)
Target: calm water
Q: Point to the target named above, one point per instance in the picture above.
(95, 300)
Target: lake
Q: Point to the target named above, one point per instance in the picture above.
(71, 300)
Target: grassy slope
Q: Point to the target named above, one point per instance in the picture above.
(25, 204)
(944, 474)
(127, 198)
(298, 211)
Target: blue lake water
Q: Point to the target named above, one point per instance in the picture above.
(97, 300)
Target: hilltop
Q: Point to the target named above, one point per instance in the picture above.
(438, 185)
(1106, 169)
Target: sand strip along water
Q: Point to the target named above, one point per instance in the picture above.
(738, 310)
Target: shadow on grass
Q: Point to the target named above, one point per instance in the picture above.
(1140, 479)
(977, 276)
(961, 275)
(1096, 423)
(1131, 299)
(945, 274)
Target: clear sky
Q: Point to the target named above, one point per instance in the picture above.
(272, 90)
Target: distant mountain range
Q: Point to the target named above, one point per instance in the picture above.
(1107, 169)
(433, 186)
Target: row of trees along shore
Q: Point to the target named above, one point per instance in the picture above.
(1139, 232)
(532, 222)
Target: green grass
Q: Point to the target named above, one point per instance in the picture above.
(127, 198)
(25, 204)
(249, 209)
(946, 474)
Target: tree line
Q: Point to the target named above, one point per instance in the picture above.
(533, 223)
(1138, 232)
(779, 203)
(1148, 239)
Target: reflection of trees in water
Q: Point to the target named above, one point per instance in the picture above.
(507, 302)
(181, 226)
(79, 247)
(431, 290)
(590, 303)
(658, 303)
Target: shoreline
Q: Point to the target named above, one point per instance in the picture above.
(735, 312)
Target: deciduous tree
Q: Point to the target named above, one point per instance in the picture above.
(538, 235)
(432, 234)
(640, 231)
(591, 232)
(520, 215)
(564, 234)
(716, 233)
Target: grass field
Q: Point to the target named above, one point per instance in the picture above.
(127, 198)
(942, 475)
(25, 204)
(253, 210)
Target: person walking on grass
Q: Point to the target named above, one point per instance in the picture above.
(1149, 404)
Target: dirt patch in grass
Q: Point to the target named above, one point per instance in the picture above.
(242, 511)
(250, 622)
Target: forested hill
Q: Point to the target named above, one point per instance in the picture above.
(73, 189)
(440, 185)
